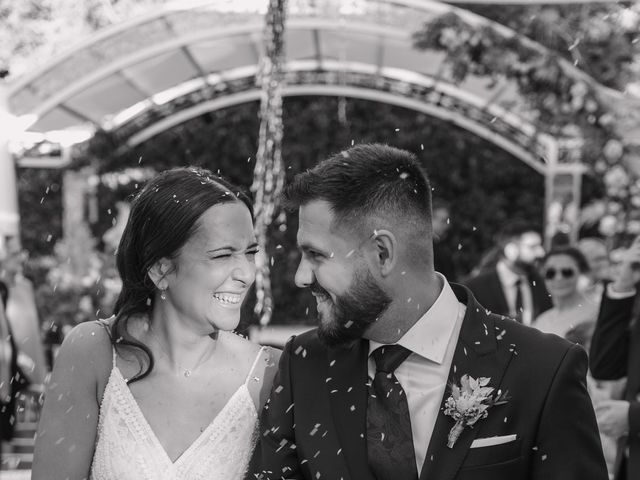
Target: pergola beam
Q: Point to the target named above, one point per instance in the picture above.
(9, 216)
(75, 113)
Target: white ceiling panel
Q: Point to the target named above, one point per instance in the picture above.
(56, 119)
(162, 72)
(399, 54)
(350, 47)
(225, 53)
(110, 95)
(299, 45)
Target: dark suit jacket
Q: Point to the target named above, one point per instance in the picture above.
(487, 289)
(615, 353)
(314, 424)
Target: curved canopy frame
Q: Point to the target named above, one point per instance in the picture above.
(151, 73)
(423, 94)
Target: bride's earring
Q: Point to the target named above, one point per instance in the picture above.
(157, 274)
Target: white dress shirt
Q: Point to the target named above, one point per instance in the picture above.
(508, 280)
(614, 295)
(423, 375)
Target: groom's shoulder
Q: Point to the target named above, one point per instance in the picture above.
(530, 342)
(308, 337)
(306, 343)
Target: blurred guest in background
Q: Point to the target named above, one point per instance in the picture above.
(561, 269)
(442, 254)
(617, 257)
(599, 390)
(615, 353)
(21, 309)
(12, 377)
(513, 287)
(596, 253)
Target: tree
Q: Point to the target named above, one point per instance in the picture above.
(565, 103)
(35, 30)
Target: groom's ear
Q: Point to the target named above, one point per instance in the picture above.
(386, 245)
(510, 251)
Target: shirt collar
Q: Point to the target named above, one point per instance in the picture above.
(430, 335)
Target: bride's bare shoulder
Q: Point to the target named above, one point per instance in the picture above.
(84, 353)
(87, 336)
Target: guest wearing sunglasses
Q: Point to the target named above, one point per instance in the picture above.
(598, 257)
(561, 269)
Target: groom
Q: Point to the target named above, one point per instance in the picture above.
(376, 392)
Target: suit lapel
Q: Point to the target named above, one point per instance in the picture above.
(541, 298)
(477, 355)
(500, 296)
(347, 387)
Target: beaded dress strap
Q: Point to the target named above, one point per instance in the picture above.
(255, 363)
(105, 324)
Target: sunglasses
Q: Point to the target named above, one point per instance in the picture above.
(550, 273)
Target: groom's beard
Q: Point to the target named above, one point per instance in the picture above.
(353, 312)
(527, 268)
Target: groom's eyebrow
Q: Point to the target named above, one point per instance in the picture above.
(305, 247)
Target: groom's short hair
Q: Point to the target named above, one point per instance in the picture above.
(368, 181)
(514, 230)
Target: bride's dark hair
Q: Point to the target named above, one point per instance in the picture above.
(164, 216)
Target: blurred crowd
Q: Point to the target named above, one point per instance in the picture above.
(566, 290)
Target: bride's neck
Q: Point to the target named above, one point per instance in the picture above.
(179, 342)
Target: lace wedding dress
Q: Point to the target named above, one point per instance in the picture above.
(127, 448)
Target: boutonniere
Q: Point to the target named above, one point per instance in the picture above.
(469, 403)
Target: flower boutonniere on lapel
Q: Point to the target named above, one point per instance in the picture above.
(469, 403)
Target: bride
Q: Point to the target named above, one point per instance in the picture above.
(164, 389)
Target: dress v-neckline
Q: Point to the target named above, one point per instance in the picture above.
(142, 420)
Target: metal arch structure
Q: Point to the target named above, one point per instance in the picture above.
(445, 102)
(128, 70)
(149, 74)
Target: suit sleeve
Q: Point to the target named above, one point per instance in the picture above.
(568, 442)
(609, 352)
(275, 456)
(634, 420)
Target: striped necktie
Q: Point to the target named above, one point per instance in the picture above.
(390, 447)
(519, 302)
